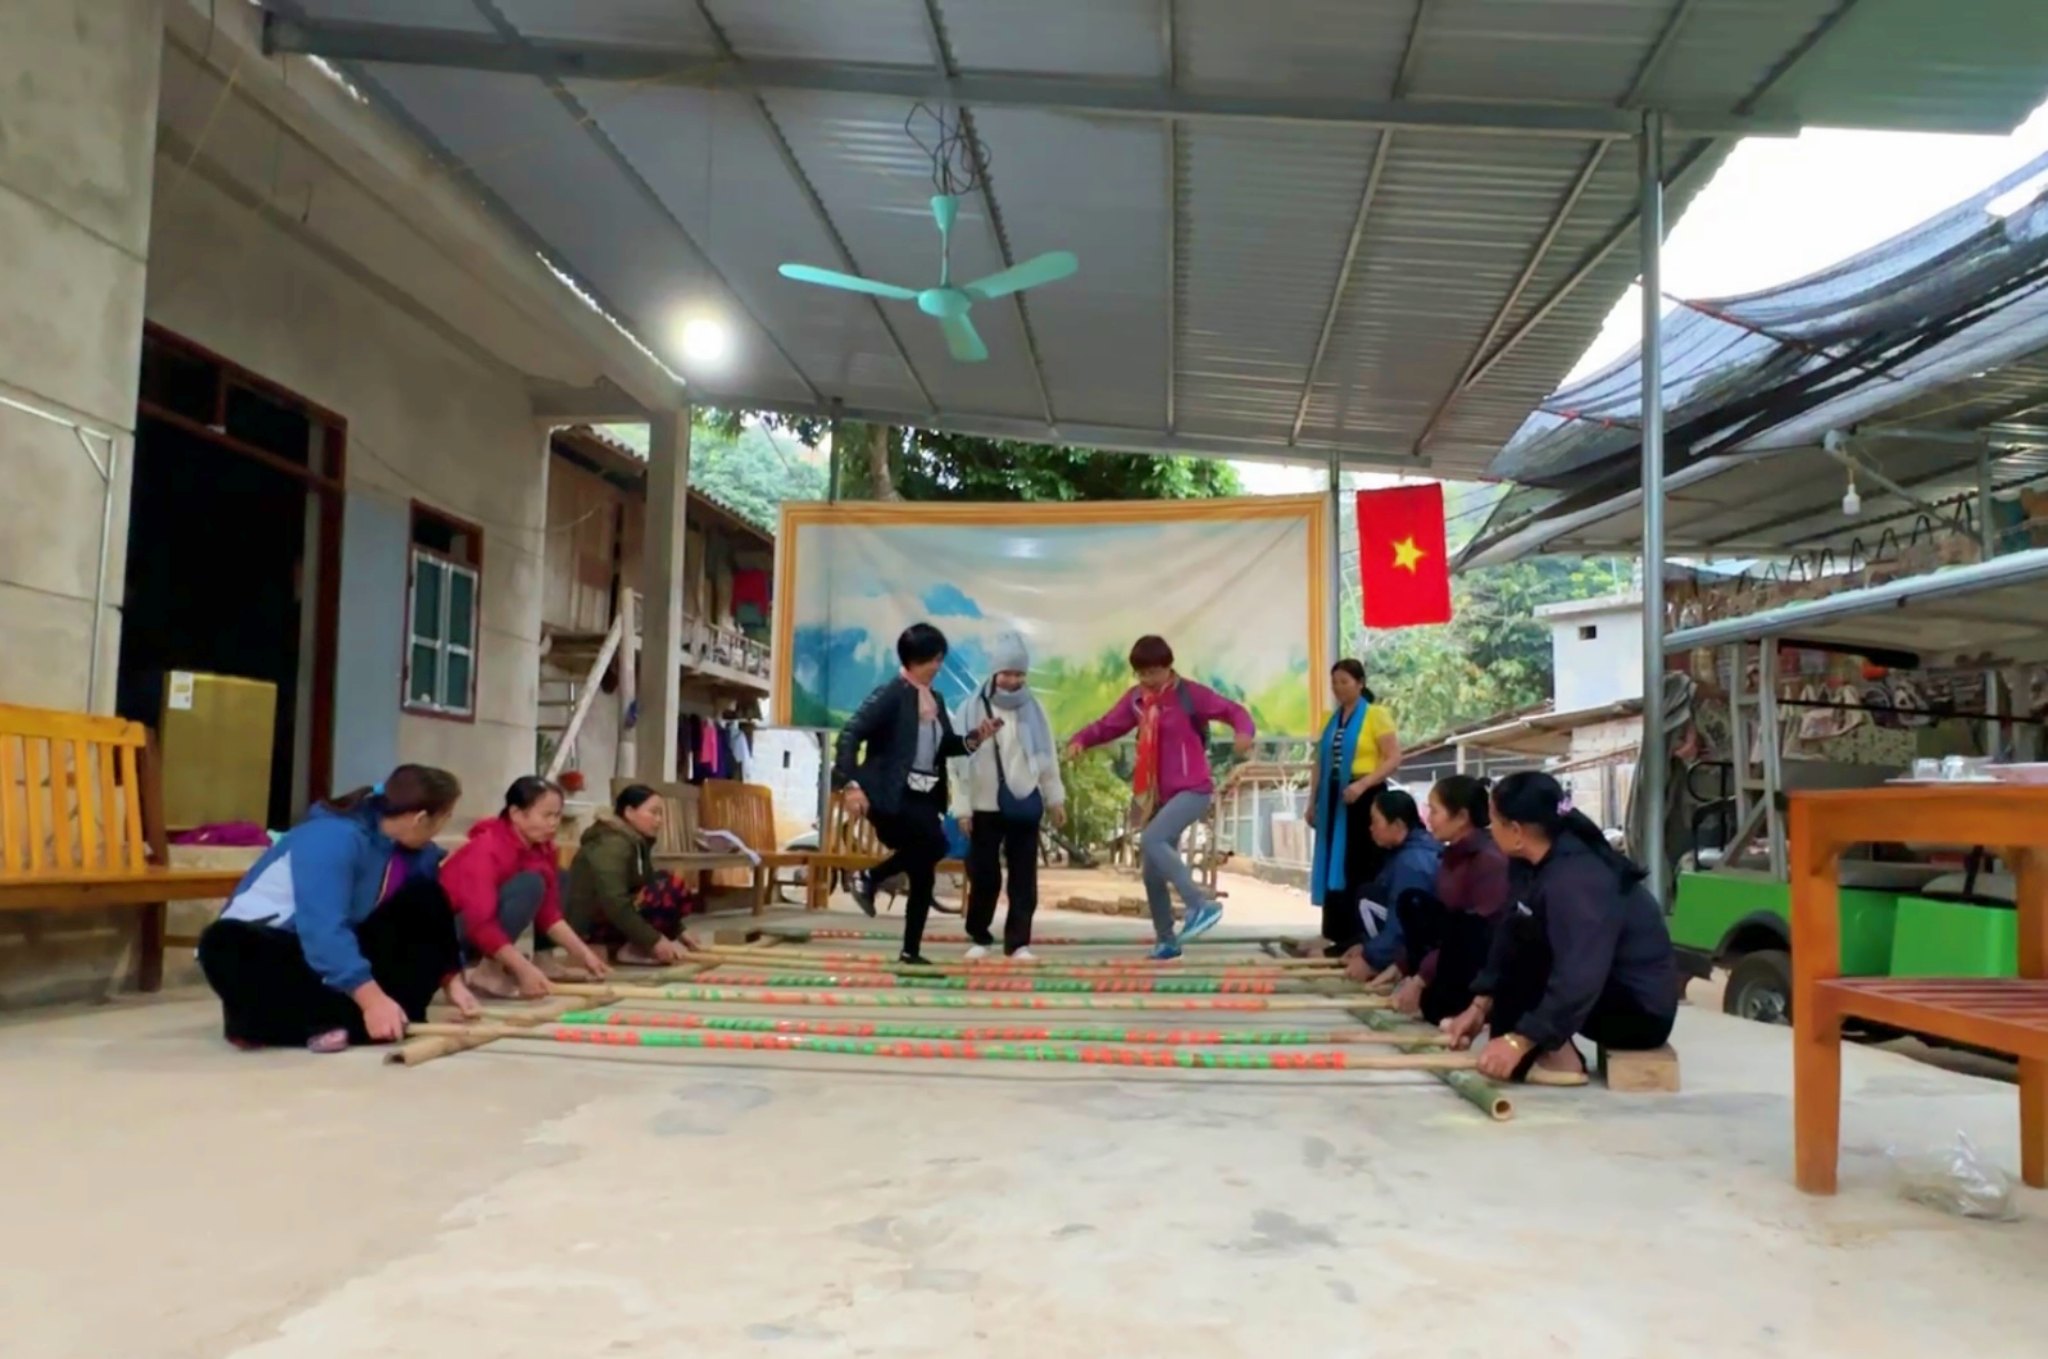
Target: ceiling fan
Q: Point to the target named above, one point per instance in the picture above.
(949, 304)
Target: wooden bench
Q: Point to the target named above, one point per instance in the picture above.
(747, 810)
(849, 845)
(677, 851)
(2008, 1015)
(81, 825)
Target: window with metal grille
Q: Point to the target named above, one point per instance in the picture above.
(442, 616)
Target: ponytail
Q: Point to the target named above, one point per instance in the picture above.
(407, 789)
(1535, 799)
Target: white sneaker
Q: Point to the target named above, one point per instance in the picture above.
(977, 953)
(1023, 955)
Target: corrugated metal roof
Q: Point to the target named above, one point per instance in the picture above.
(1937, 333)
(1208, 272)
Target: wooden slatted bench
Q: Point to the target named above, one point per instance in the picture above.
(2008, 1015)
(747, 810)
(849, 845)
(677, 851)
(81, 825)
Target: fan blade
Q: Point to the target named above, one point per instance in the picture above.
(1048, 268)
(963, 342)
(853, 283)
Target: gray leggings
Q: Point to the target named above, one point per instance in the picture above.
(1162, 866)
(518, 903)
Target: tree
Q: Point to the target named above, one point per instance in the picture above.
(753, 471)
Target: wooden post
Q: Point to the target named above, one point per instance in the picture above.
(149, 966)
(668, 485)
(1816, 1036)
(2032, 903)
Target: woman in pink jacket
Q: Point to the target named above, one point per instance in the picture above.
(1171, 786)
(504, 880)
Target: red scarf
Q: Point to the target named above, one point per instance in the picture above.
(1145, 780)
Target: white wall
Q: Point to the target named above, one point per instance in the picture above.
(78, 95)
(1602, 669)
(427, 421)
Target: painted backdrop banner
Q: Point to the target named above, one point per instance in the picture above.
(1237, 586)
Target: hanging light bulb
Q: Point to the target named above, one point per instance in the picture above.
(1852, 504)
(706, 339)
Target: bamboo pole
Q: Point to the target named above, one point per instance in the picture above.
(1086, 1054)
(714, 995)
(799, 958)
(419, 1051)
(862, 979)
(981, 1033)
(1468, 1085)
(807, 934)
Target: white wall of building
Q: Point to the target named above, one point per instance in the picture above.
(1596, 653)
(78, 97)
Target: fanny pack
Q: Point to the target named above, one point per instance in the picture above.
(921, 783)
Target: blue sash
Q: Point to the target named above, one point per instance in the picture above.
(1326, 874)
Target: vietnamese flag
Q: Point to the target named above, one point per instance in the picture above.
(1403, 568)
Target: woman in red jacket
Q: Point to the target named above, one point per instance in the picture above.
(502, 881)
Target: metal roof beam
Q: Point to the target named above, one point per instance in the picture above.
(408, 45)
(1380, 151)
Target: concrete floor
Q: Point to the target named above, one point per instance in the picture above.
(171, 1197)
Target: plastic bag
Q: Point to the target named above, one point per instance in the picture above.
(1955, 1179)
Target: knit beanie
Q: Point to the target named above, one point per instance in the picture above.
(1008, 652)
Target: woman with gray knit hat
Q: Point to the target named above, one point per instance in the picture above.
(1002, 794)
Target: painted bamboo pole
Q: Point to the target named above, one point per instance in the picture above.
(1468, 1085)
(1085, 1054)
(805, 934)
(858, 979)
(717, 995)
(418, 1051)
(1292, 968)
(984, 1033)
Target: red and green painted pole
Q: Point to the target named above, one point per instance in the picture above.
(800, 934)
(887, 999)
(1081, 1053)
(992, 1033)
(1150, 985)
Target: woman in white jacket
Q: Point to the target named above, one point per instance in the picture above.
(1002, 794)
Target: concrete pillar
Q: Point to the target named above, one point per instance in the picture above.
(661, 614)
(78, 105)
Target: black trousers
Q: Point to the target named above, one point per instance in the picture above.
(993, 841)
(916, 838)
(271, 997)
(1460, 940)
(1363, 859)
(1617, 1020)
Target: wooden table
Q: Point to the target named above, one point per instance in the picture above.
(2004, 1015)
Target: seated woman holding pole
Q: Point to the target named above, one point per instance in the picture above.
(617, 899)
(1447, 934)
(1171, 786)
(1585, 950)
(340, 933)
(503, 880)
(1359, 749)
(1408, 871)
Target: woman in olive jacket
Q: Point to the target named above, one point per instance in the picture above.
(616, 899)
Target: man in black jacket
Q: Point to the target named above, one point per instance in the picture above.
(890, 763)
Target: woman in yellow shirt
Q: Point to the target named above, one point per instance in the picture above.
(1359, 750)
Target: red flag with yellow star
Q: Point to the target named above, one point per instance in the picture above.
(1402, 566)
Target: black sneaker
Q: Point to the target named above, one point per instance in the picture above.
(864, 894)
(913, 960)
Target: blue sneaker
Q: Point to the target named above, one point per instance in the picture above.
(1164, 953)
(1200, 921)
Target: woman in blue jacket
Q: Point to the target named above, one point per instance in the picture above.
(341, 933)
(1412, 856)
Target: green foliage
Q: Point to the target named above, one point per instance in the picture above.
(1097, 798)
(754, 471)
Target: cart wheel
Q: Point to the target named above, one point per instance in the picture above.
(1760, 987)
